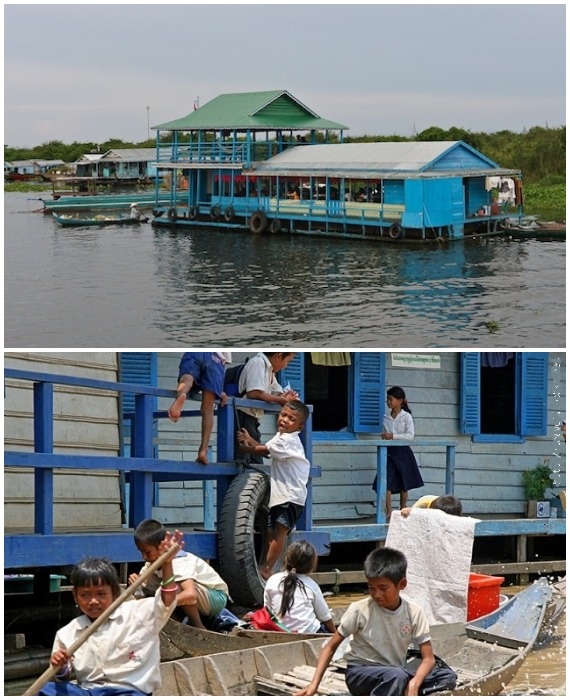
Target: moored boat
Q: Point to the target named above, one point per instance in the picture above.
(96, 220)
(532, 227)
(183, 641)
(485, 653)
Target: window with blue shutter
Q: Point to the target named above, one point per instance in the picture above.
(503, 396)
(294, 374)
(369, 378)
(135, 368)
(346, 399)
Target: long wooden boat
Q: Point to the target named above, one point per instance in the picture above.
(179, 641)
(90, 202)
(486, 654)
(98, 220)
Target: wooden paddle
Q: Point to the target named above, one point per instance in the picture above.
(49, 672)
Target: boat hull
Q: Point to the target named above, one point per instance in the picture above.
(486, 654)
(69, 221)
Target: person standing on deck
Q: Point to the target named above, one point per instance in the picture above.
(403, 471)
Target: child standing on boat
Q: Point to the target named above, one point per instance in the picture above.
(289, 476)
(382, 627)
(403, 471)
(121, 657)
(202, 371)
(292, 595)
(201, 592)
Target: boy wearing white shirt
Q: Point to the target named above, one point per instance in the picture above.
(289, 476)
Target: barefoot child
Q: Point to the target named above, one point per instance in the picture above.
(201, 592)
(205, 371)
(121, 657)
(289, 476)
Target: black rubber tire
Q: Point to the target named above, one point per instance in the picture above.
(229, 214)
(275, 226)
(172, 214)
(215, 212)
(258, 222)
(396, 231)
(193, 213)
(242, 536)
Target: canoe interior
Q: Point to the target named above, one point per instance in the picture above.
(484, 666)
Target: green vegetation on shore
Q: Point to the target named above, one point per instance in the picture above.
(539, 152)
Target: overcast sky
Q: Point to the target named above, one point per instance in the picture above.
(94, 72)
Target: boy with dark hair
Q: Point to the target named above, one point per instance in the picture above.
(289, 476)
(258, 382)
(381, 628)
(201, 591)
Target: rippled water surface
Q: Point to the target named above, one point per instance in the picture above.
(151, 287)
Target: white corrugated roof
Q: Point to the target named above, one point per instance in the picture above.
(130, 154)
(405, 156)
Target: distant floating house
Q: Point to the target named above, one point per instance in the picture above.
(30, 169)
(119, 163)
(266, 162)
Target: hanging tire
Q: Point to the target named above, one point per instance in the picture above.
(193, 213)
(172, 214)
(242, 536)
(258, 222)
(275, 226)
(215, 212)
(229, 214)
(396, 231)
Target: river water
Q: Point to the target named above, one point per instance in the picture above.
(132, 287)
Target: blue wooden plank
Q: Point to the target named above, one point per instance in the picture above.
(22, 551)
(43, 443)
(524, 526)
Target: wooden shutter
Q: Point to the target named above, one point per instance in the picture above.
(534, 392)
(135, 368)
(369, 391)
(470, 394)
(294, 374)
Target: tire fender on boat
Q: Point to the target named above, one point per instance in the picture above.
(275, 226)
(396, 231)
(258, 222)
(229, 214)
(215, 212)
(172, 214)
(243, 536)
(193, 213)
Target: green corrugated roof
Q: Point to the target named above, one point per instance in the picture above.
(273, 109)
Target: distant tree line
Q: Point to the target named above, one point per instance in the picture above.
(539, 152)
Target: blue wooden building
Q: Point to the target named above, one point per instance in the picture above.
(266, 162)
(90, 453)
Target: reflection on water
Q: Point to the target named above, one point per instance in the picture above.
(137, 287)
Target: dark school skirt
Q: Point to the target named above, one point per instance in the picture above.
(403, 471)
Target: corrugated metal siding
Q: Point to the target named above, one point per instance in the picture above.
(86, 422)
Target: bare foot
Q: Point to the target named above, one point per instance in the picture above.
(202, 457)
(264, 572)
(176, 409)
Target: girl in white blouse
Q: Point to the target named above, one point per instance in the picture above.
(403, 470)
